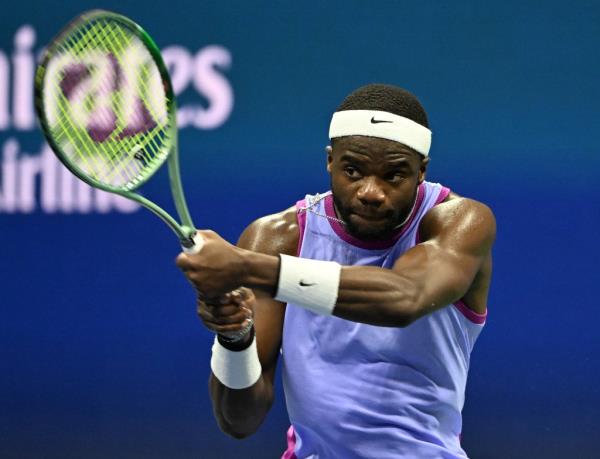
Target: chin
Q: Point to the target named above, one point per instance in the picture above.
(369, 233)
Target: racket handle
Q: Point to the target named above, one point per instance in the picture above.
(198, 243)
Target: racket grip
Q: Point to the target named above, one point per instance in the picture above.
(198, 243)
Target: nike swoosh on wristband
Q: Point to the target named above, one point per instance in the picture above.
(305, 284)
(374, 121)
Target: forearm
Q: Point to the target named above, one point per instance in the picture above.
(366, 294)
(240, 412)
(241, 388)
(377, 296)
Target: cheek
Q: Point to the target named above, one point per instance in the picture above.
(346, 190)
(339, 189)
(341, 182)
(343, 193)
(404, 194)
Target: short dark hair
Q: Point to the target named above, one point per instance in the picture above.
(387, 98)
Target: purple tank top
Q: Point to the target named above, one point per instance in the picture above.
(360, 391)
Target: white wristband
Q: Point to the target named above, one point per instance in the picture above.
(311, 284)
(235, 369)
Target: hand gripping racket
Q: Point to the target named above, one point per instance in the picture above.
(107, 108)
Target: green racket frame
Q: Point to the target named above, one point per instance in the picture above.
(185, 231)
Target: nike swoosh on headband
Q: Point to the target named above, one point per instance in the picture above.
(374, 121)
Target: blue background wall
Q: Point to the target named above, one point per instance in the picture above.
(101, 354)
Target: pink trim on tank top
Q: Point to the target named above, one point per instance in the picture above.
(444, 192)
(301, 217)
(291, 445)
(339, 229)
(473, 316)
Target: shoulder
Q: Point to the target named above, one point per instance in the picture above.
(459, 218)
(273, 234)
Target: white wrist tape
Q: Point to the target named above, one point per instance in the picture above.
(311, 284)
(236, 370)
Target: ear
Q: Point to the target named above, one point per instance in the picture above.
(423, 169)
(329, 152)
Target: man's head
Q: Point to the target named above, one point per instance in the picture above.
(377, 158)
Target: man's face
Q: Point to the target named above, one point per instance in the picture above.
(374, 183)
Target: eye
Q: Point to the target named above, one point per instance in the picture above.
(351, 172)
(394, 177)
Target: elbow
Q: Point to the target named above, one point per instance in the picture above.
(239, 413)
(239, 435)
(238, 432)
(241, 424)
(404, 319)
(399, 315)
(398, 312)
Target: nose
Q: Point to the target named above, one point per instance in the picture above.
(370, 193)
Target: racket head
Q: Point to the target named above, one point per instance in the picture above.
(105, 101)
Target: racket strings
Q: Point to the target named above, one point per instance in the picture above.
(116, 37)
(117, 153)
(147, 138)
(78, 41)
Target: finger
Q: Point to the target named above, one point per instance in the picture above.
(222, 310)
(249, 294)
(183, 262)
(226, 328)
(236, 296)
(240, 316)
(216, 301)
(206, 235)
(230, 320)
(223, 299)
(247, 305)
(212, 322)
(233, 314)
(242, 294)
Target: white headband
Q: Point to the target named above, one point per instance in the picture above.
(385, 125)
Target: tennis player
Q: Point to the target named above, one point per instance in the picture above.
(375, 293)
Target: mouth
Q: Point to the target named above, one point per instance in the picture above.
(372, 218)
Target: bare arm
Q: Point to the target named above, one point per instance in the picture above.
(239, 413)
(457, 239)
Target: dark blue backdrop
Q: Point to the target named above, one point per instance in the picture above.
(101, 354)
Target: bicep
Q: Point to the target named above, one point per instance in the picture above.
(441, 276)
(444, 266)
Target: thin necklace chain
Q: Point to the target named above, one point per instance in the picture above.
(318, 197)
(313, 203)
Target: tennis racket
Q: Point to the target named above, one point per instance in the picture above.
(106, 105)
